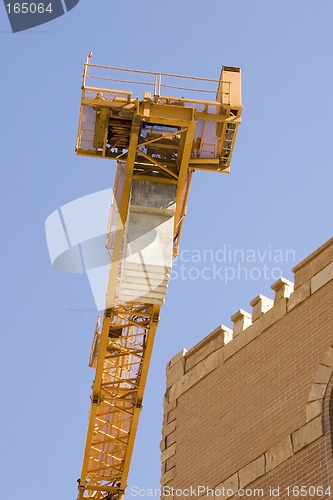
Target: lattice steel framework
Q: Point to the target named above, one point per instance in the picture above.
(120, 353)
(160, 139)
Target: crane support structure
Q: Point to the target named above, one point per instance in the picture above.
(158, 141)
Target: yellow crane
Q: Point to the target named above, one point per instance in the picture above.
(157, 140)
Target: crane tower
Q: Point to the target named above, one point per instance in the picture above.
(158, 140)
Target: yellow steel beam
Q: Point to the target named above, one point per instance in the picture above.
(164, 136)
(123, 207)
(159, 165)
(150, 178)
(183, 186)
(95, 397)
(143, 379)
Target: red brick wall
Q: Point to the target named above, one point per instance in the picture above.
(251, 401)
(307, 468)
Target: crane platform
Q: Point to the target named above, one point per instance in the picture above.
(158, 140)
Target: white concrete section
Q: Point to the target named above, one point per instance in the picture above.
(147, 255)
(149, 239)
(147, 261)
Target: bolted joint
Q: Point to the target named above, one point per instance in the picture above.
(95, 399)
(156, 318)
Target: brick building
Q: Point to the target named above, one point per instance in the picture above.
(248, 412)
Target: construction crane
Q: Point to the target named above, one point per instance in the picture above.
(158, 140)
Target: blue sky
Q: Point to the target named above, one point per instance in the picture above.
(277, 197)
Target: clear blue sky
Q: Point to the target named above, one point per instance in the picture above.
(278, 196)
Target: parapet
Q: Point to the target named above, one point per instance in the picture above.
(309, 276)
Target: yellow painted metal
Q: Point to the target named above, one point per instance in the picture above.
(160, 139)
(122, 348)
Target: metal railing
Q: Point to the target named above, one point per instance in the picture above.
(157, 82)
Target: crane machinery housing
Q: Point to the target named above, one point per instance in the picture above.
(158, 141)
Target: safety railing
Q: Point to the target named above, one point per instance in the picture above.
(157, 84)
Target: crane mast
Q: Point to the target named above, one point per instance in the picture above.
(157, 140)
